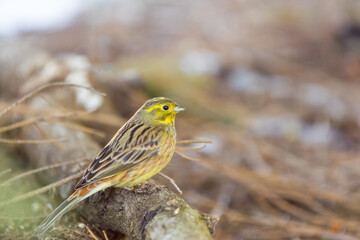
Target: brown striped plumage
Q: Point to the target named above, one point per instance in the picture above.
(138, 151)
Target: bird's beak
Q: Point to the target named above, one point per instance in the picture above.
(178, 108)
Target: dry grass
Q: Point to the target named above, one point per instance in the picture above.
(284, 162)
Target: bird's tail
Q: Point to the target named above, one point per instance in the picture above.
(68, 204)
(63, 208)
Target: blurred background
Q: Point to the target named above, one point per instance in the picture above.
(273, 84)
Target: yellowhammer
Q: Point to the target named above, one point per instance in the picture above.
(138, 151)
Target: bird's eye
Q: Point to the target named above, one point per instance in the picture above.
(165, 107)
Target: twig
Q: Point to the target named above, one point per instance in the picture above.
(172, 181)
(25, 174)
(91, 233)
(223, 199)
(56, 106)
(56, 84)
(30, 141)
(45, 134)
(182, 142)
(5, 172)
(38, 119)
(302, 229)
(23, 109)
(10, 218)
(187, 157)
(96, 228)
(43, 189)
(190, 148)
(101, 118)
(105, 235)
(81, 128)
(258, 185)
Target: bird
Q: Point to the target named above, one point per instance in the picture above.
(140, 149)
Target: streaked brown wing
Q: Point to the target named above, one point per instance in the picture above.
(109, 162)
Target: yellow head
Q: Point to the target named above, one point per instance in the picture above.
(159, 110)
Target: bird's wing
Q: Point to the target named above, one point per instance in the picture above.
(121, 154)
